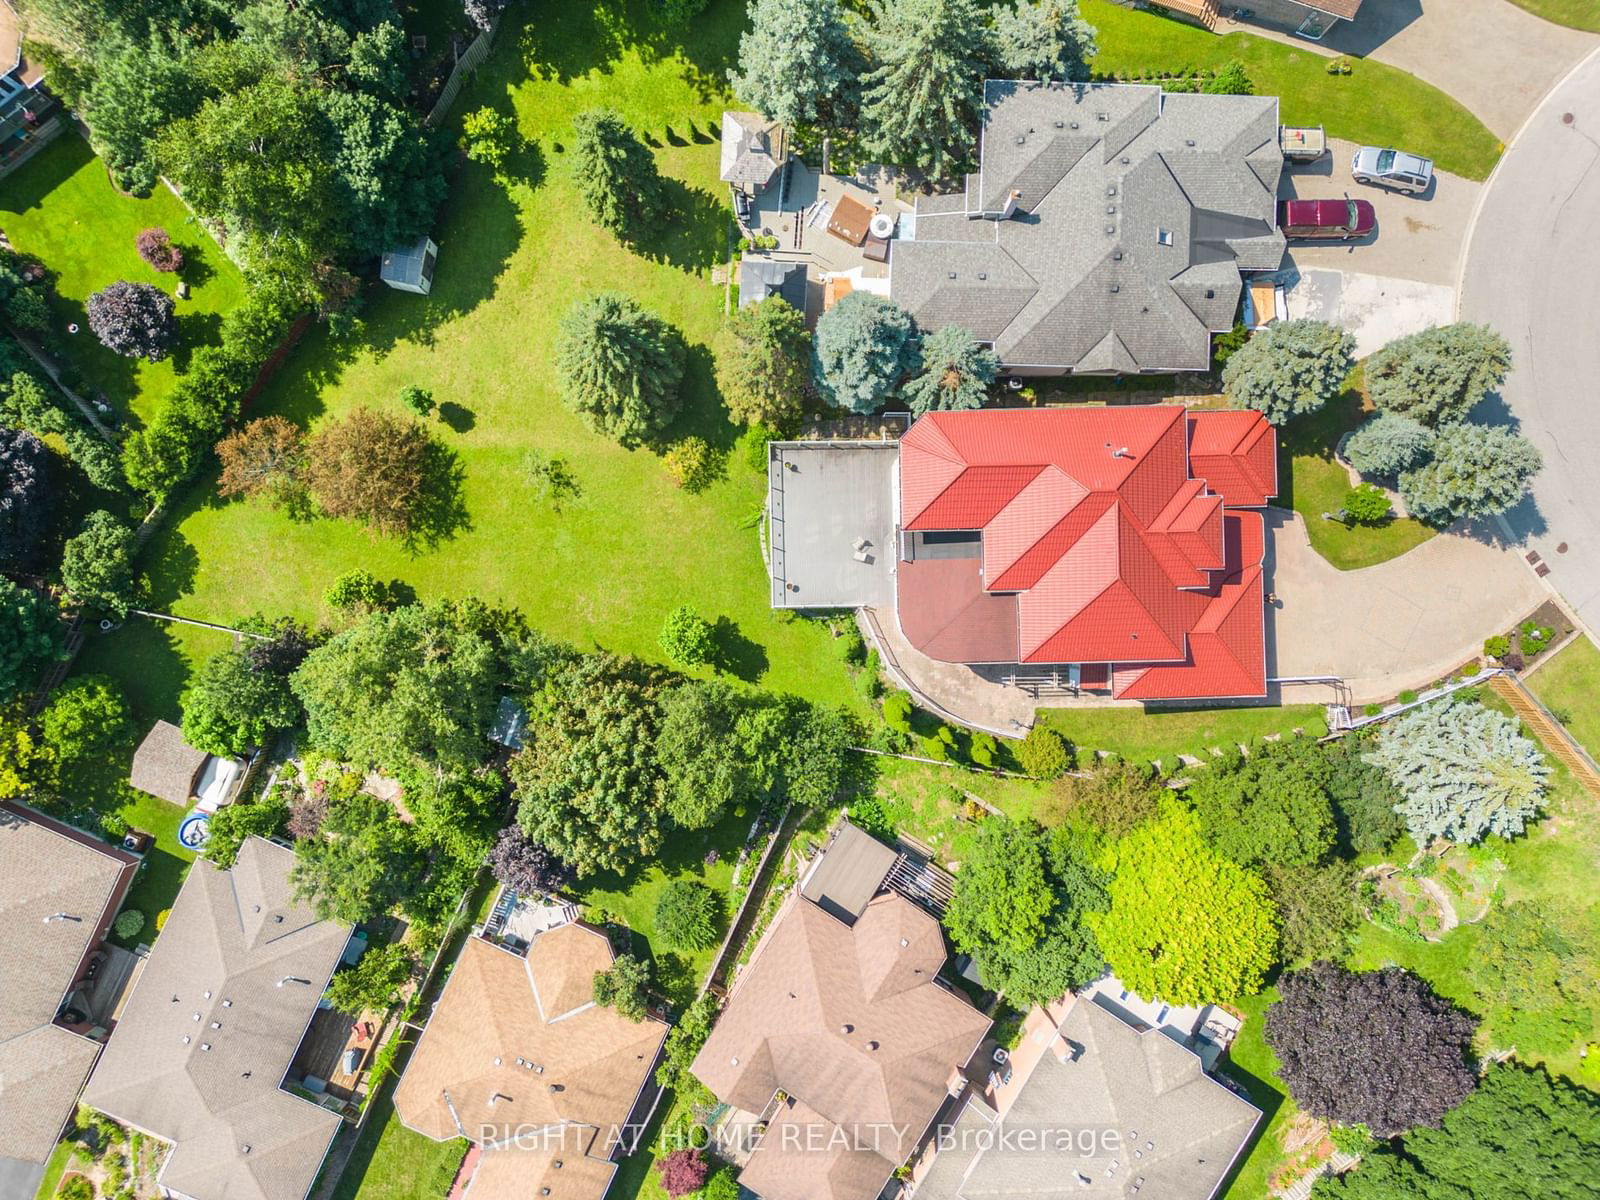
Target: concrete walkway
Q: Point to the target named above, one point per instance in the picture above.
(1398, 625)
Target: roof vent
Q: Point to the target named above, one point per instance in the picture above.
(952, 275)
(227, 1004)
(1074, 124)
(1116, 287)
(245, 1149)
(497, 1060)
(1111, 210)
(1188, 141)
(904, 942)
(872, 1045)
(277, 918)
(1102, 116)
(1060, 124)
(983, 274)
(1122, 452)
(733, 1062)
(216, 1024)
(1125, 160)
(1116, 255)
(1022, 139)
(196, 1016)
(847, 1028)
(255, 908)
(1211, 293)
(1111, 189)
(207, 994)
(556, 1164)
(186, 1039)
(1111, 230)
(1164, 236)
(205, 1045)
(558, 1087)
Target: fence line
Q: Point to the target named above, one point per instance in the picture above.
(139, 612)
(467, 61)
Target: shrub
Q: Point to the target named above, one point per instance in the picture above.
(28, 310)
(897, 709)
(983, 749)
(682, 1172)
(1497, 646)
(686, 637)
(1367, 504)
(1407, 697)
(134, 320)
(356, 588)
(418, 399)
(75, 1187)
(692, 464)
(161, 918)
(158, 251)
(489, 137)
(1045, 754)
(550, 478)
(723, 1184)
(129, 922)
(687, 915)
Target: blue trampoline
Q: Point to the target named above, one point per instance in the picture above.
(194, 829)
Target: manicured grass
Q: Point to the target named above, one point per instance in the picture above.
(1579, 14)
(631, 898)
(1314, 482)
(391, 1162)
(54, 1167)
(1145, 736)
(62, 208)
(514, 254)
(1374, 104)
(1568, 685)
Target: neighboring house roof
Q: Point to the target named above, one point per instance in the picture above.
(165, 765)
(752, 149)
(1101, 542)
(59, 890)
(1144, 1119)
(848, 874)
(212, 1026)
(761, 277)
(1345, 9)
(1105, 230)
(517, 1051)
(850, 1022)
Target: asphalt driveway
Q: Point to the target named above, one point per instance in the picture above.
(1532, 271)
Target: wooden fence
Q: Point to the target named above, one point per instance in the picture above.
(467, 61)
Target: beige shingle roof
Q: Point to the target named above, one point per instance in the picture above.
(165, 765)
(57, 894)
(851, 1023)
(212, 1027)
(569, 1160)
(583, 1065)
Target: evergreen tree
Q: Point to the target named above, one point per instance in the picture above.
(1462, 771)
(619, 367)
(1476, 471)
(29, 497)
(1437, 376)
(1387, 444)
(762, 354)
(616, 174)
(864, 346)
(1044, 39)
(956, 372)
(922, 99)
(797, 63)
(1289, 368)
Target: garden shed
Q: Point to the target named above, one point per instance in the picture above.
(165, 765)
(410, 268)
(763, 277)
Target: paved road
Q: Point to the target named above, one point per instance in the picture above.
(1531, 269)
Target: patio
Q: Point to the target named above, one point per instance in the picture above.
(516, 920)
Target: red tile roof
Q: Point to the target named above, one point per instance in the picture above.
(1107, 528)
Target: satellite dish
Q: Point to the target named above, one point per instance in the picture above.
(881, 225)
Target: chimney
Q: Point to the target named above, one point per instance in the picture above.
(1010, 208)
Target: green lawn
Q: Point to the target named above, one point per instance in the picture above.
(1145, 736)
(1314, 482)
(1375, 103)
(391, 1162)
(1579, 14)
(62, 208)
(1568, 685)
(54, 1167)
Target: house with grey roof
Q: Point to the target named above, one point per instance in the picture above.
(1106, 230)
(207, 1038)
(1089, 1107)
(753, 148)
(59, 891)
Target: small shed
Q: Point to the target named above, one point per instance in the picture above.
(410, 268)
(166, 766)
(763, 277)
(752, 150)
(849, 873)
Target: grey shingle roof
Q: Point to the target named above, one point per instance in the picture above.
(751, 148)
(1120, 191)
(208, 1034)
(44, 872)
(1161, 1127)
(165, 765)
(761, 277)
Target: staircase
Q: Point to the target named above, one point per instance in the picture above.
(1202, 12)
(1548, 730)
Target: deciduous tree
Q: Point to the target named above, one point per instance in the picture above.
(1374, 1048)
(619, 367)
(955, 372)
(525, 866)
(374, 983)
(1437, 376)
(1001, 895)
(616, 175)
(1185, 924)
(1462, 771)
(265, 458)
(371, 467)
(1116, 796)
(232, 824)
(230, 707)
(134, 319)
(624, 986)
(686, 637)
(1289, 368)
(97, 564)
(920, 102)
(1363, 799)
(362, 863)
(86, 716)
(29, 496)
(864, 347)
(1318, 906)
(705, 753)
(761, 356)
(1535, 971)
(489, 137)
(30, 636)
(798, 64)
(1271, 806)
(1476, 471)
(1044, 39)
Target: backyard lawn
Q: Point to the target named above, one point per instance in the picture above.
(1567, 685)
(1314, 482)
(1579, 14)
(1374, 104)
(391, 1162)
(62, 208)
(1145, 736)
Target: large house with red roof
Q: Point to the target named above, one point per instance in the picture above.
(1115, 545)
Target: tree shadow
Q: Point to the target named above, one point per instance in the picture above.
(736, 654)
(457, 417)
(441, 510)
(195, 329)
(699, 136)
(400, 594)
(197, 270)
(672, 137)
(696, 236)
(169, 564)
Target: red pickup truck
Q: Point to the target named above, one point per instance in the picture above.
(1326, 220)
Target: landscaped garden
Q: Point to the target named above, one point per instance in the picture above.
(63, 209)
(1373, 105)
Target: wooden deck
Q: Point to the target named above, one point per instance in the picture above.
(322, 1053)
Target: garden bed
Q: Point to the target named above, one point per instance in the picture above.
(1532, 639)
(1402, 903)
